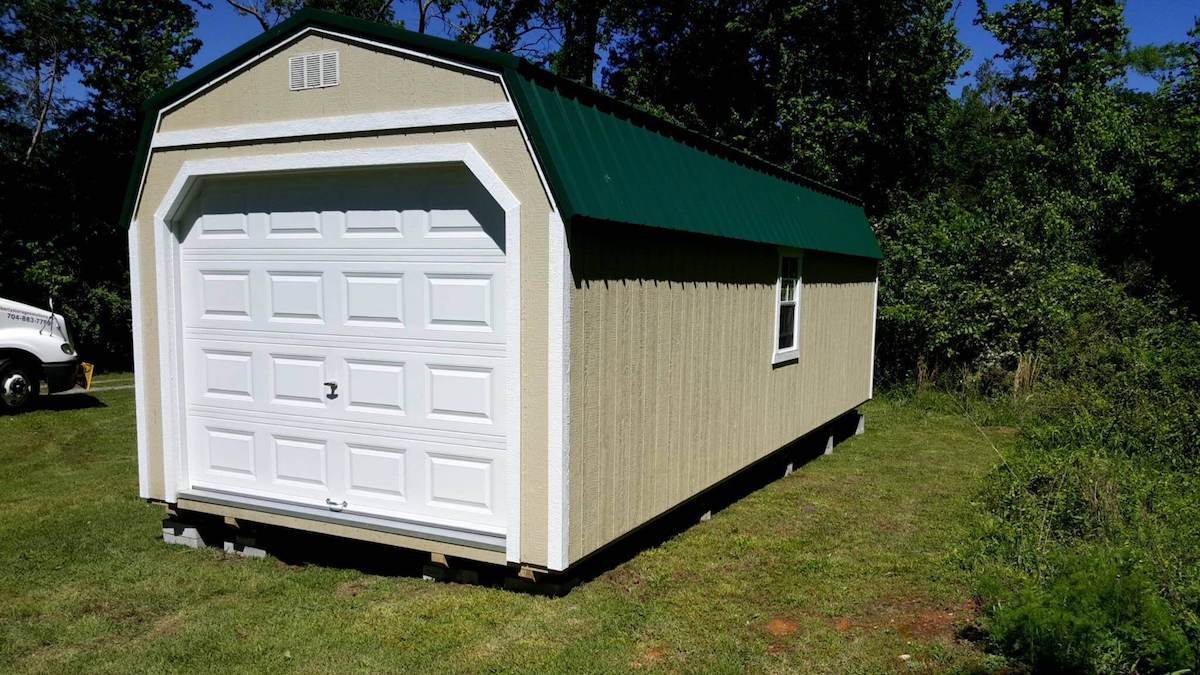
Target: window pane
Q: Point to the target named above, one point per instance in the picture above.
(787, 326)
(787, 290)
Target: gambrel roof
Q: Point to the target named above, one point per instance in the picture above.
(604, 161)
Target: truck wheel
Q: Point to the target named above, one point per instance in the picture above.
(19, 385)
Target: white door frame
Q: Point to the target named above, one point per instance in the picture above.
(170, 324)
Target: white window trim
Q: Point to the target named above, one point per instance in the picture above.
(778, 355)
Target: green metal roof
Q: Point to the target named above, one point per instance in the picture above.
(606, 161)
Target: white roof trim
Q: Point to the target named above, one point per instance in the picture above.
(311, 30)
(480, 113)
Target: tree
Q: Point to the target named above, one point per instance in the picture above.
(847, 92)
(61, 194)
(41, 39)
(1106, 155)
(582, 27)
(1058, 50)
(270, 12)
(1168, 194)
(521, 27)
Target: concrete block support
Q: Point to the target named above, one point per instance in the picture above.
(183, 534)
(862, 425)
(245, 547)
(200, 533)
(445, 568)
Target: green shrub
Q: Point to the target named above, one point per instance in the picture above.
(1097, 613)
(1108, 460)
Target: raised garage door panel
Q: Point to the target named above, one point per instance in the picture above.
(389, 284)
(452, 299)
(452, 391)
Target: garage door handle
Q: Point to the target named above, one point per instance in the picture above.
(335, 506)
(332, 390)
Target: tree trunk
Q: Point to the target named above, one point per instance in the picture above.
(43, 106)
(581, 28)
(258, 13)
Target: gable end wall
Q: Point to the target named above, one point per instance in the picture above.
(372, 81)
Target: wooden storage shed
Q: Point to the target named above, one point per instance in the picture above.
(396, 288)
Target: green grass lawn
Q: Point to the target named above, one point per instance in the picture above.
(844, 566)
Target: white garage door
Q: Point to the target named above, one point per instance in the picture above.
(344, 343)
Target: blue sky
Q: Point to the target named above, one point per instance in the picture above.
(1150, 21)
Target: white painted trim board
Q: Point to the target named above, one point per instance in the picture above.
(170, 316)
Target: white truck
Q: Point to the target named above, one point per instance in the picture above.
(34, 348)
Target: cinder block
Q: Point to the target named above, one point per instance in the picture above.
(182, 534)
(706, 516)
(244, 550)
(862, 425)
(829, 445)
(787, 470)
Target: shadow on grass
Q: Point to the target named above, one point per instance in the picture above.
(736, 487)
(60, 402)
(299, 548)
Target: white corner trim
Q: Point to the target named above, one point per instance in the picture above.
(139, 361)
(170, 367)
(874, 320)
(481, 113)
(512, 318)
(191, 173)
(559, 398)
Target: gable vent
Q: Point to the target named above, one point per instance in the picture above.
(310, 71)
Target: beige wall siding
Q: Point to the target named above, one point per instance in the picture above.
(371, 81)
(672, 386)
(501, 146)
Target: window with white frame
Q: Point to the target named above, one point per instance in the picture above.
(787, 308)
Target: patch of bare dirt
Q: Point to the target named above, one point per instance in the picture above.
(915, 618)
(929, 624)
(781, 627)
(649, 658)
